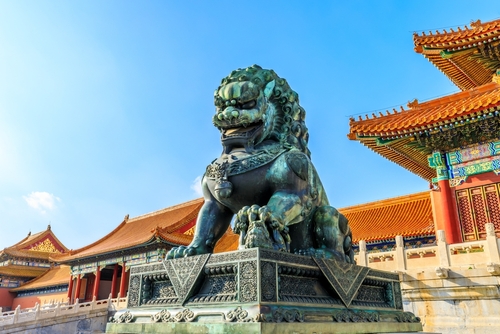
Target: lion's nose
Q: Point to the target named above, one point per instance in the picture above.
(228, 114)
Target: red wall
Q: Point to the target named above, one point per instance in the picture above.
(30, 301)
(6, 298)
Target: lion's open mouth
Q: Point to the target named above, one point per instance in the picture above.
(241, 132)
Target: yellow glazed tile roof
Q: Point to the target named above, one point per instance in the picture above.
(139, 230)
(409, 215)
(228, 242)
(21, 271)
(428, 115)
(36, 246)
(52, 277)
(454, 52)
(463, 37)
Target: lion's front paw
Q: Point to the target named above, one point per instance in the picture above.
(258, 227)
(184, 251)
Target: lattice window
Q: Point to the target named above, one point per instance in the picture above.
(493, 204)
(466, 218)
(479, 210)
(476, 207)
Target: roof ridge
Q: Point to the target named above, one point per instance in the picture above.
(457, 96)
(391, 201)
(170, 208)
(78, 250)
(474, 26)
(184, 220)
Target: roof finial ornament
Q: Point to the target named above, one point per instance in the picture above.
(126, 217)
(48, 227)
(412, 104)
(29, 233)
(475, 24)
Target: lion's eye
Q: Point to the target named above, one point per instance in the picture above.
(248, 105)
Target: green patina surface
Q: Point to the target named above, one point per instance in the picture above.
(265, 176)
(263, 328)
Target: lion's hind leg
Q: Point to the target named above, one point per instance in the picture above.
(333, 234)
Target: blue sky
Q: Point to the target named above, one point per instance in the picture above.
(106, 106)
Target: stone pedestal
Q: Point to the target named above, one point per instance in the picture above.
(261, 291)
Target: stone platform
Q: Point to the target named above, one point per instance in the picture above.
(261, 291)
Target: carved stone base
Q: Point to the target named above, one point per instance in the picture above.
(261, 291)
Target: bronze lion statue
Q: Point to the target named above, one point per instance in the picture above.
(265, 176)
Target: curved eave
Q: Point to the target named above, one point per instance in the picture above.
(406, 157)
(138, 231)
(407, 216)
(459, 38)
(454, 108)
(170, 239)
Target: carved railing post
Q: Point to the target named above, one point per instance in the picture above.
(15, 318)
(443, 252)
(363, 256)
(58, 309)
(37, 311)
(400, 253)
(492, 244)
(75, 305)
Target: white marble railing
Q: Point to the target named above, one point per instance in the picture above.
(59, 309)
(483, 252)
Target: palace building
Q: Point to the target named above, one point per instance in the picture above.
(25, 261)
(453, 141)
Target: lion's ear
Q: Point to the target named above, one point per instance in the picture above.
(269, 88)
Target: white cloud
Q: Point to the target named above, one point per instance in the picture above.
(41, 201)
(196, 186)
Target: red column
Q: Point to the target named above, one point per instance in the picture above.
(451, 229)
(70, 288)
(97, 281)
(113, 281)
(78, 286)
(122, 281)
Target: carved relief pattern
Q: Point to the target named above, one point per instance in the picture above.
(398, 298)
(133, 291)
(222, 288)
(296, 286)
(184, 272)
(293, 315)
(164, 291)
(147, 268)
(248, 281)
(287, 257)
(407, 317)
(268, 281)
(383, 274)
(344, 278)
(232, 256)
(371, 294)
(351, 316)
(123, 318)
(217, 170)
(45, 246)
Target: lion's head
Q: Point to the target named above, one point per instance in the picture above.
(255, 105)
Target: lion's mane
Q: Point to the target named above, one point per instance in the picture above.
(289, 125)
